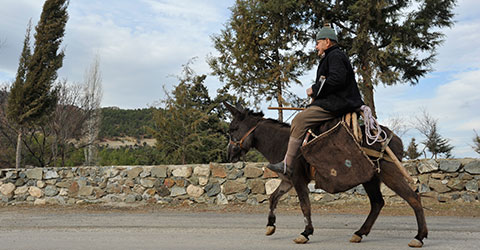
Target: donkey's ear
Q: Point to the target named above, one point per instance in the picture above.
(232, 109)
(240, 108)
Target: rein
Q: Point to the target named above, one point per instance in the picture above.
(239, 143)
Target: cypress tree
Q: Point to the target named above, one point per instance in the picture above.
(15, 98)
(32, 98)
(40, 99)
(16, 102)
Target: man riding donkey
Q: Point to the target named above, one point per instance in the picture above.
(334, 94)
(342, 156)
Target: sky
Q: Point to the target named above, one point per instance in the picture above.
(143, 44)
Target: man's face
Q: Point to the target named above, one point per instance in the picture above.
(322, 45)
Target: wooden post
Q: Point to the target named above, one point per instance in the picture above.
(285, 108)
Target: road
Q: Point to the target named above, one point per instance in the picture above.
(33, 229)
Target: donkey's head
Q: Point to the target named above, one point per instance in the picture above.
(241, 131)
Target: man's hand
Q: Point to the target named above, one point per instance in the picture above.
(310, 91)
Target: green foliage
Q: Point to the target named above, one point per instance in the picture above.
(121, 122)
(263, 44)
(262, 50)
(436, 144)
(412, 152)
(386, 44)
(16, 101)
(144, 155)
(188, 130)
(254, 156)
(32, 100)
(39, 99)
(7, 134)
(476, 142)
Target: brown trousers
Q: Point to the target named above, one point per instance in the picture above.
(309, 117)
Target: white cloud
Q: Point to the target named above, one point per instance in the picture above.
(138, 59)
(12, 32)
(140, 43)
(459, 51)
(190, 10)
(455, 105)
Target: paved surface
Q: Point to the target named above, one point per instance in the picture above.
(32, 229)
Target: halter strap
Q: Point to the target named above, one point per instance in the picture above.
(239, 143)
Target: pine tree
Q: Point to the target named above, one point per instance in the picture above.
(436, 144)
(266, 42)
(188, 130)
(412, 152)
(33, 98)
(476, 142)
(262, 50)
(386, 45)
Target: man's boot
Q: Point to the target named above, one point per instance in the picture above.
(284, 167)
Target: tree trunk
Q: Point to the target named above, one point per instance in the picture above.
(367, 91)
(366, 86)
(280, 101)
(55, 150)
(18, 156)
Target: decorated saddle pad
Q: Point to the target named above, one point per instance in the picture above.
(339, 162)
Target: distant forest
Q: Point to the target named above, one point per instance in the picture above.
(117, 122)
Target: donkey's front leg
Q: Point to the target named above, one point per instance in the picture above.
(282, 189)
(302, 192)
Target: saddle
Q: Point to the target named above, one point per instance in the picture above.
(337, 159)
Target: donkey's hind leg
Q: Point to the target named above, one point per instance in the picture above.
(376, 204)
(302, 192)
(396, 182)
(282, 189)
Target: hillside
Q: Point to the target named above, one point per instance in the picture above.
(125, 123)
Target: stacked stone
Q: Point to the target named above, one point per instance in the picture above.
(251, 183)
(447, 179)
(213, 184)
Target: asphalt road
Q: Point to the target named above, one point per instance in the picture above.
(33, 229)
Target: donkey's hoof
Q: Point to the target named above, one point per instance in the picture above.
(415, 243)
(356, 239)
(270, 230)
(301, 239)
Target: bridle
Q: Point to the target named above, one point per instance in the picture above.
(240, 143)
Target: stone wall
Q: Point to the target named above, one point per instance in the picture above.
(443, 181)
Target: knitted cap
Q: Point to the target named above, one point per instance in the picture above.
(327, 32)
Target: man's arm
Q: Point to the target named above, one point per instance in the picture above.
(336, 79)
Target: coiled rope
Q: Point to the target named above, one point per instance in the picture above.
(373, 131)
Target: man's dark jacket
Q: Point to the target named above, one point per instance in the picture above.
(339, 93)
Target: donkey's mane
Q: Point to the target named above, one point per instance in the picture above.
(282, 124)
(260, 115)
(252, 113)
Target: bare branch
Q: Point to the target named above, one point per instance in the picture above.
(92, 99)
(398, 125)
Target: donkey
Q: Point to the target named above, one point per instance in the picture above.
(270, 137)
